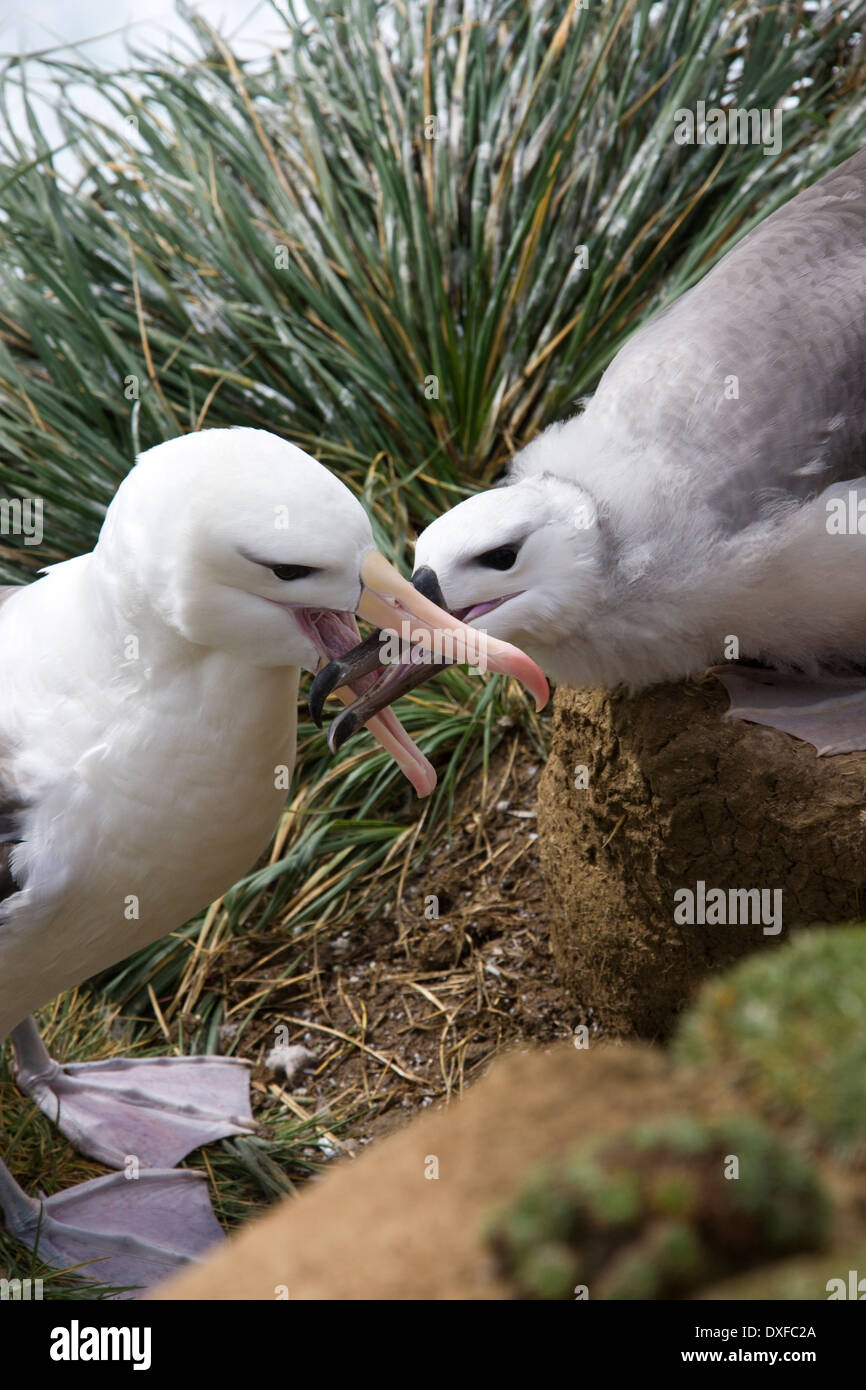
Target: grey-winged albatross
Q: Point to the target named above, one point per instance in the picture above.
(710, 501)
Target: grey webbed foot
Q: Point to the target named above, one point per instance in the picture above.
(128, 1233)
(155, 1109)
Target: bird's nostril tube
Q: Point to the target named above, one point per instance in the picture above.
(427, 583)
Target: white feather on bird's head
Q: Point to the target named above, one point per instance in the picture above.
(231, 535)
(524, 562)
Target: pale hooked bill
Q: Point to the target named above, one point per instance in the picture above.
(709, 503)
(147, 722)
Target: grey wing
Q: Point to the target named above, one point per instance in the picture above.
(754, 381)
(11, 808)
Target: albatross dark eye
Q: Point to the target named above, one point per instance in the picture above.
(502, 558)
(293, 571)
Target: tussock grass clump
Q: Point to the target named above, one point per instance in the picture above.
(368, 241)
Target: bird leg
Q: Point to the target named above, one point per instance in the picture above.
(126, 1233)
(152, 1110)
(827, 711)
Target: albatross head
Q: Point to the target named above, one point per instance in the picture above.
(523, 561)
(238, 541)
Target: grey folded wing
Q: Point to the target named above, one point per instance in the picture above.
(754, 381)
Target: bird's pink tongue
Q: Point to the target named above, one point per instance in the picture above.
(335, 633)
(389, 732)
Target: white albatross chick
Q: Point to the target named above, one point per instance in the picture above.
(147, 723)
(710, 501)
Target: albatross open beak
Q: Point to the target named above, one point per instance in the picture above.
(413, 638)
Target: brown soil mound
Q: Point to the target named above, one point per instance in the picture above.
(676, 796)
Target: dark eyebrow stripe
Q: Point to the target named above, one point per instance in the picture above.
(254, 559)
(275, 564)
(507, 545)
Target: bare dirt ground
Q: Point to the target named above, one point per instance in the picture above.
(409, 1010)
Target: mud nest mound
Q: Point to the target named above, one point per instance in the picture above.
(654, 808)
